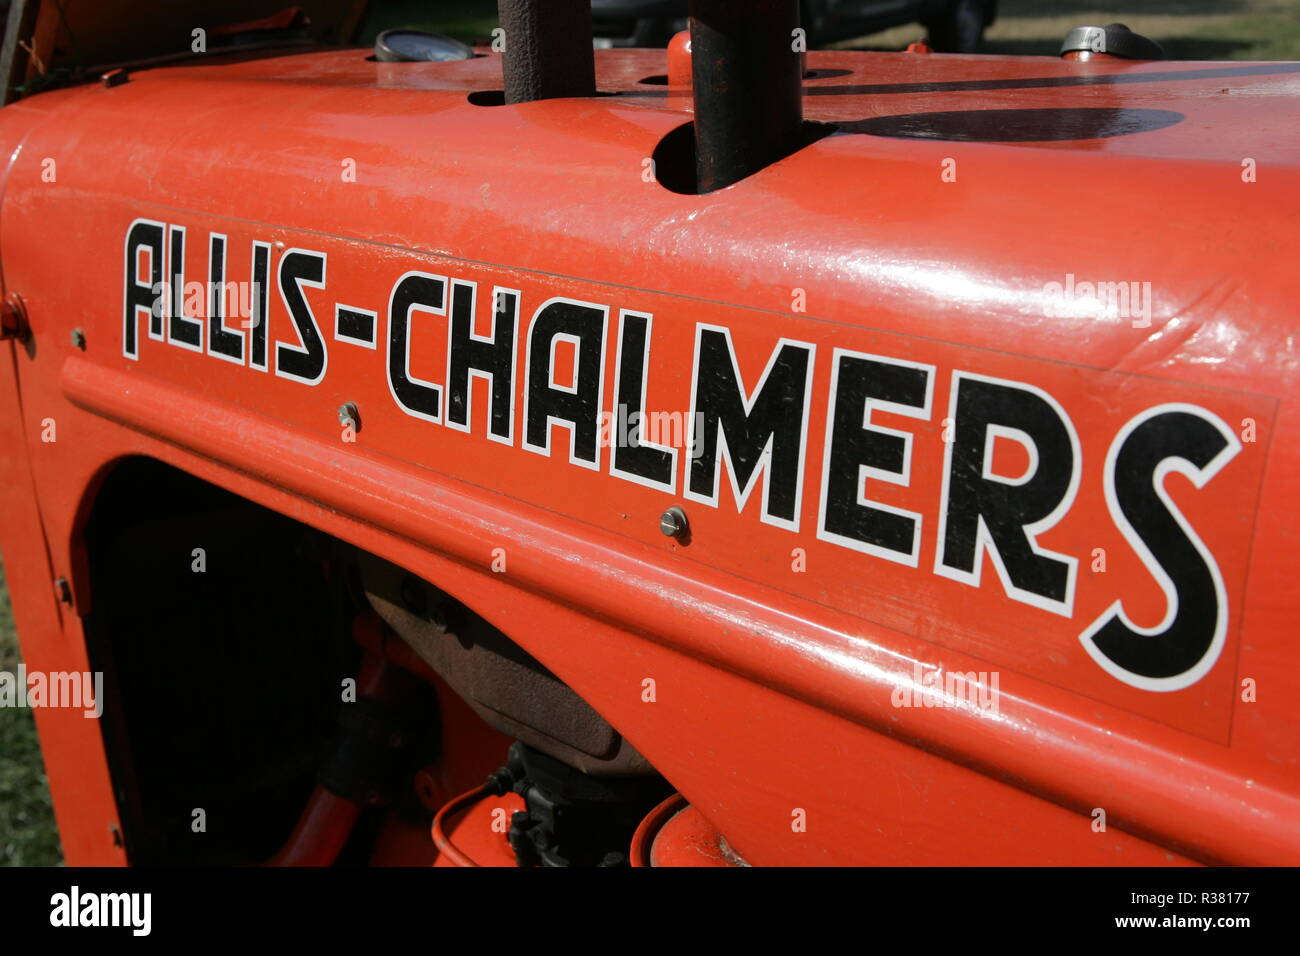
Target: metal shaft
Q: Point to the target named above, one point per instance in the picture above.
(548, 51)
(748, 78)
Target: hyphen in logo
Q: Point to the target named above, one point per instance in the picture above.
(940, 688)
(74, 908)
(55, 689)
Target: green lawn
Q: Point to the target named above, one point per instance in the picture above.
(1188, 29)
(27, 833)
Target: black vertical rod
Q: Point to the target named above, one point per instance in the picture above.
(548, 51)
(748, 74)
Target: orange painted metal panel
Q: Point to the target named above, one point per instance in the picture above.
(791, 662)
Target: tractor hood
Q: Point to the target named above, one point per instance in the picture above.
(998, 360)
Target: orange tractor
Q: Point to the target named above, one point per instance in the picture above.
(725, 455)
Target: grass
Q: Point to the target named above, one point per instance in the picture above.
(28, 836)
(1187, 29)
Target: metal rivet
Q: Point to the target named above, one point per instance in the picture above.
(350, 416)
(673, 523)
(79, 339)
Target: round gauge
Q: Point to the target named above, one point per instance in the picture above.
(416, 46)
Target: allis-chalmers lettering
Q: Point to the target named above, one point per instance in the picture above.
(754, 430)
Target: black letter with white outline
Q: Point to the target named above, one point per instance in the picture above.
(857, 449)
(298, 268)
(138, 296)
(471, 356)
(576, 406)
(981, 510)
(181, 329)
(761, 433)
(261, 297)
(1182, 648)
(640, 461)
(427, 293)
(222, 342)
